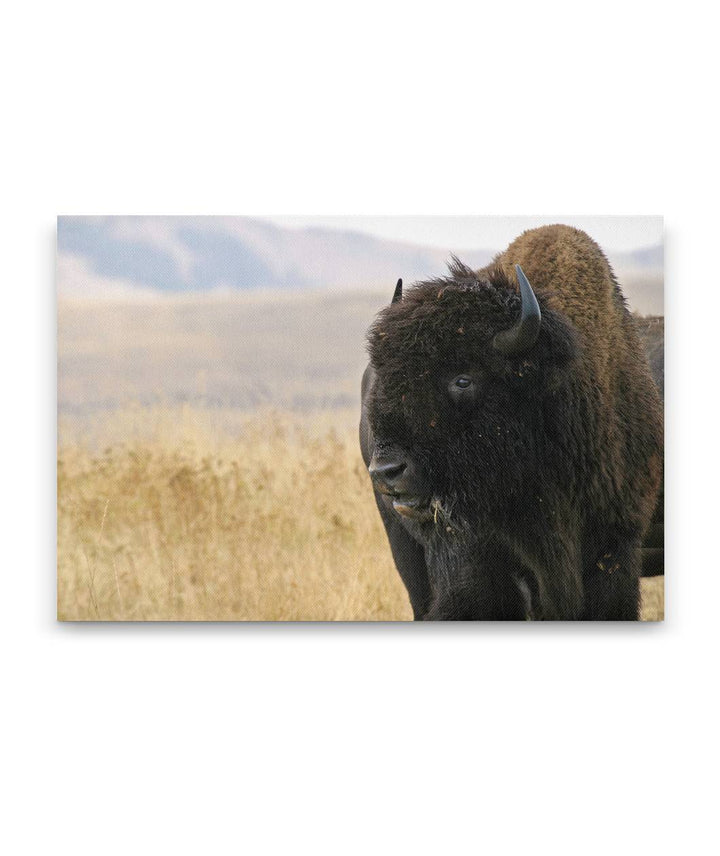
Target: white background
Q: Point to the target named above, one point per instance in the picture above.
(359, 739)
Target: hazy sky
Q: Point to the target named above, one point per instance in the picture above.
(613, 233)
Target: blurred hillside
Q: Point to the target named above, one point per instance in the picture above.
(185, 254)
(652, 333)
(298, 352)
(114, 257)
(295, 351)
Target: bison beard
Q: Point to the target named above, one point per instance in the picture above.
(514, 439)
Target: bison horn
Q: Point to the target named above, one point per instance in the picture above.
(397, 297)
(523, 335)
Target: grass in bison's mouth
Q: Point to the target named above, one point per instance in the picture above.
(412, 507)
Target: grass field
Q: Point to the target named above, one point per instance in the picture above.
(208, 462)
(211, 515)
(276, 523)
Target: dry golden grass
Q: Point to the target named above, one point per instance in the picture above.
(653, 599)
(276, 523)
(199, 515)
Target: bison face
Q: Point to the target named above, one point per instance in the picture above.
(401, 466)
(456, 394)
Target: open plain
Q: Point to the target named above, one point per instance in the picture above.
(208, 464)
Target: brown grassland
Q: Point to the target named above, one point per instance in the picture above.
(188, 520)
(276, 523)
(208, 463)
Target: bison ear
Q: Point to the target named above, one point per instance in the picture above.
(397, 296)
(523, 335)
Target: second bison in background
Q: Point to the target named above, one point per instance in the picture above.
(513, 434)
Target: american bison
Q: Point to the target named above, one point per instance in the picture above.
(513, 435)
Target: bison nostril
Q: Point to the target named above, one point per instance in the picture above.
(387, 472)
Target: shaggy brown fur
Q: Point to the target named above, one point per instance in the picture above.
(529, 490)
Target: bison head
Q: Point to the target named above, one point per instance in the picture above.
(468, 386)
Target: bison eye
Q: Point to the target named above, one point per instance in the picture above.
(462, 389)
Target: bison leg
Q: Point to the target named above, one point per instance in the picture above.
(409, 559)
(487, 583)
(483, 605)
(612, 585)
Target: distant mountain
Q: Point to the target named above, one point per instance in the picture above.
(122, 256)
(175, 254)
(645, 257)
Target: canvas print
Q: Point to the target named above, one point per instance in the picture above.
(360, 418)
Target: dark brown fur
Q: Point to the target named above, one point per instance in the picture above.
(542, 482)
